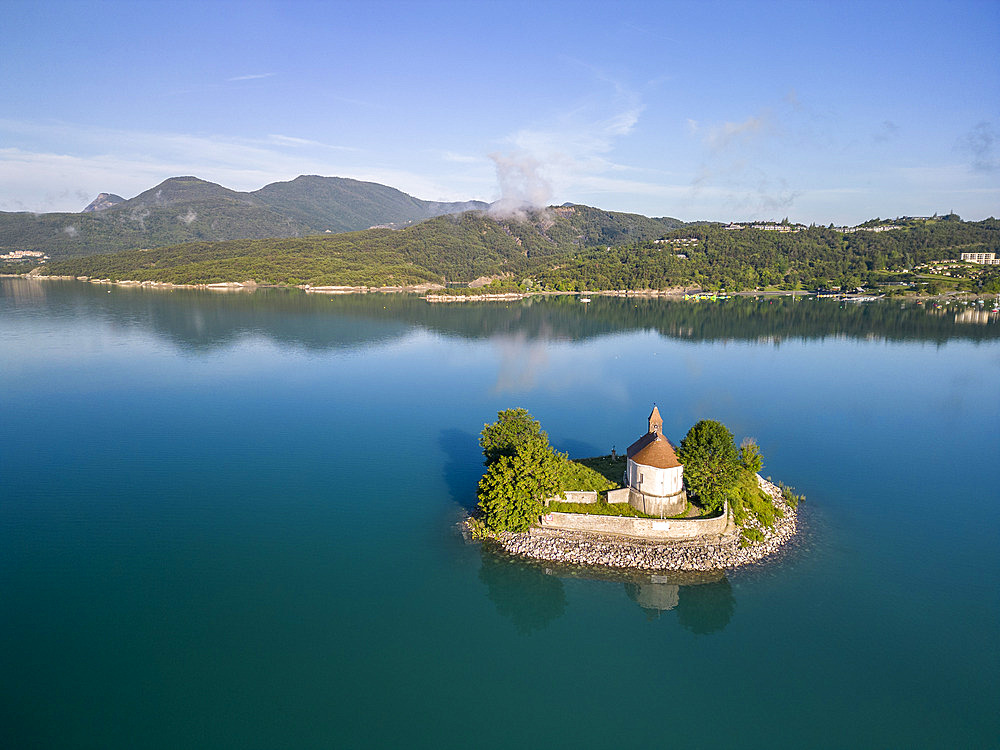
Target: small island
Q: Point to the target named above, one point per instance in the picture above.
(700, 506)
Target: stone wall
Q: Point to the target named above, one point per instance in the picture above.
(574, 496)
(658, 529)
(664, 507)
(619, 496)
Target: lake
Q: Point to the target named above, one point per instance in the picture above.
(228, 520)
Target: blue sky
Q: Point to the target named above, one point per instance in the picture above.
(822, 112)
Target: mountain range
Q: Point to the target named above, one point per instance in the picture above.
(188, 209)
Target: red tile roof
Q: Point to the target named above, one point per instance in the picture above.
(654, 450)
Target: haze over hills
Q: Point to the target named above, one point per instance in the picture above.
(565, 248)
(185, 209)
(456, 247)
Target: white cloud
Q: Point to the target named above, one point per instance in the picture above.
(729, 134)
(980, 145)
(562, 157)
(250, 77)
(93, 160)
(292, 141)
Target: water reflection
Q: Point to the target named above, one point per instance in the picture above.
(532, 595)
(521, 591)
(201, 319)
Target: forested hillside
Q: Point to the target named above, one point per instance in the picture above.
(566, 248)
(188, 209)
(817, 257)
(452, 248)
(337, 204)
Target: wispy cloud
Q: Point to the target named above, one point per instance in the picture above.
(980, 145)
(723, 136)
(456, 158)
(250, 77)
(294, 142)
(741, 161)
(92, 160)
(540, 162)
(887, 131)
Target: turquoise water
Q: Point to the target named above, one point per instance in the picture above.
(226, 520)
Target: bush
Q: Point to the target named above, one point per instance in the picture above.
(789, 496)
(750, 456)
(748, 498)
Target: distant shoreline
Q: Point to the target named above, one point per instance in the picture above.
(436, 292)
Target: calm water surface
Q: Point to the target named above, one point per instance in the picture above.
(227, 521)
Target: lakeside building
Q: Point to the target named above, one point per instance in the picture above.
(24, 255)
(986, 259)
(654, 478)
(766, 227)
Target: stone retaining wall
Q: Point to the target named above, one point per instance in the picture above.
(576, 496)
(664, 507)
(619, 496)
(612, 551)
(657, 529)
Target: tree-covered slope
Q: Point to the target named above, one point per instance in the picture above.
(710, 256)
(337, 204)
(187, 209)
(459, 248)
(180, 209)
(561, 248)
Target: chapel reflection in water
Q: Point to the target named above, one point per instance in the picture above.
(532, 594)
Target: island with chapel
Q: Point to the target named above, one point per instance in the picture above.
(702, 505)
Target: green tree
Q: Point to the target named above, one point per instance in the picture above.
(710, 462)
(513, 428)
(522, 470)
(750, 456)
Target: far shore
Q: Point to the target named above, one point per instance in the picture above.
(438, 292)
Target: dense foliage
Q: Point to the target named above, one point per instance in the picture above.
(815, 258)
(711, 467)
(716, 473)
(522, 470)
(750, 458)
(568, 248)
(460, 247)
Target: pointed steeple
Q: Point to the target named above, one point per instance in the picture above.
(655, 421)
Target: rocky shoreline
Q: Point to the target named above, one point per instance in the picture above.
(721, 552)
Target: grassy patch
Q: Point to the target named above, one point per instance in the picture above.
(748, 498)
(751, 536)
(578, 476)
(612, 469)
(598, 509)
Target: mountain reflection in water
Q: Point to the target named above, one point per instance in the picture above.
(197, 319)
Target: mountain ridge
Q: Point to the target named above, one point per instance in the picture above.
(103, 201)
(190, 209)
